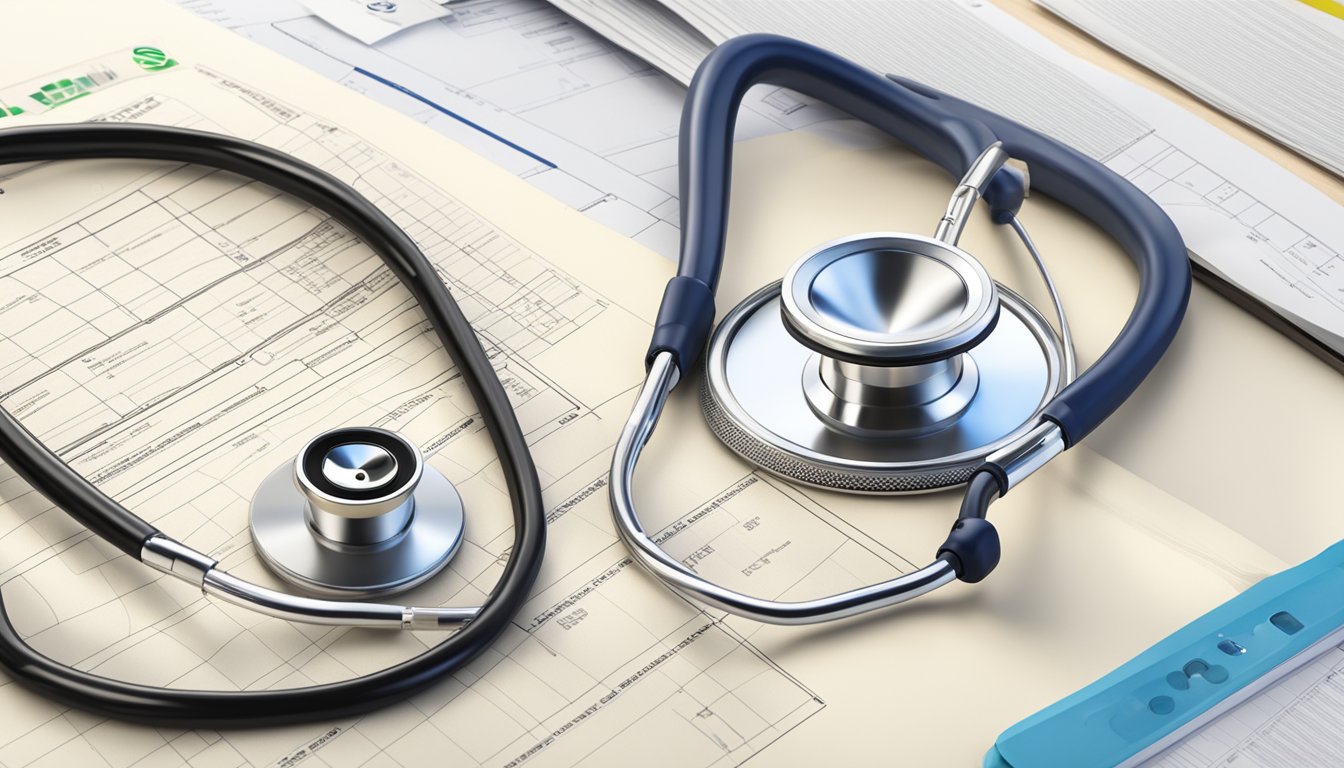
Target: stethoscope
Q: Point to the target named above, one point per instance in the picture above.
(881, 363)
(889, 362)
(358, 513)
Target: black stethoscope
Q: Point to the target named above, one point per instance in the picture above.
(346, 485)
(358, 512)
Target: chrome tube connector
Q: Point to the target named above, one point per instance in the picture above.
(968, 191)
(308, 610)
(176, 559)
(1024, 456)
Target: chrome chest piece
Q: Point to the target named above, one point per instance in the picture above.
(882, 363)
(358, 513)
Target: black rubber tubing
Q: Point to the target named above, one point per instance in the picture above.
(46, 473)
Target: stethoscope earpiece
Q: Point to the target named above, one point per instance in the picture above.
(358, 513)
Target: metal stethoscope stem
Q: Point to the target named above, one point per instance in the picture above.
(198, 569)
(648, 407)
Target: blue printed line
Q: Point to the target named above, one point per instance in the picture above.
(440, 108)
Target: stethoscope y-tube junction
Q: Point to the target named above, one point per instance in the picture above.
(474, 628)
(955, 135)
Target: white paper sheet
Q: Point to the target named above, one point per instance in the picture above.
(520, 83)
(1276, 64)
(369, 22)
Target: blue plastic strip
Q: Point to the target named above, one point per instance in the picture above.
(1162, 689)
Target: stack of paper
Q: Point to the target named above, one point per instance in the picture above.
(1277, 65)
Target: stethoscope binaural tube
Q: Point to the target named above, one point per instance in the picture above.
(65, 488)
(952, 133)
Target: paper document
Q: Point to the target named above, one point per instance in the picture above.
(1250, 222)
(370, 22)
(525, 86)
(1276, 64)
(648, 28)
(175, 334)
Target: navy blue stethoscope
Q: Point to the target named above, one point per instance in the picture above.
(880, 363)
(889, 362)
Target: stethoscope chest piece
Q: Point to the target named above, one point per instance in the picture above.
(882, 363)
(358, 513)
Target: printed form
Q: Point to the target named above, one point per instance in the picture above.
(520, 82)
(176, 333)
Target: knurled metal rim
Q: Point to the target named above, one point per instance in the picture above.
(792, 467)
(909, 478)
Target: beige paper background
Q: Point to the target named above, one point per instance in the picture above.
(1111, 547)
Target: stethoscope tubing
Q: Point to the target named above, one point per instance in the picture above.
(953, 134)
(64, 487)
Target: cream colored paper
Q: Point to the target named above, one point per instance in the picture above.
(179, 418)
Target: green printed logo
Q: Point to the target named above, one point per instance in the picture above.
(10, 111)
(63, 91)
(151, 59)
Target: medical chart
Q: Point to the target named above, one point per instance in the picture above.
(175, 334)
(518, 82)
(1277, 65)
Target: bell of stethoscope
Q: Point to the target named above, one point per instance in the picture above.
(358, 513)
(883, 362)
